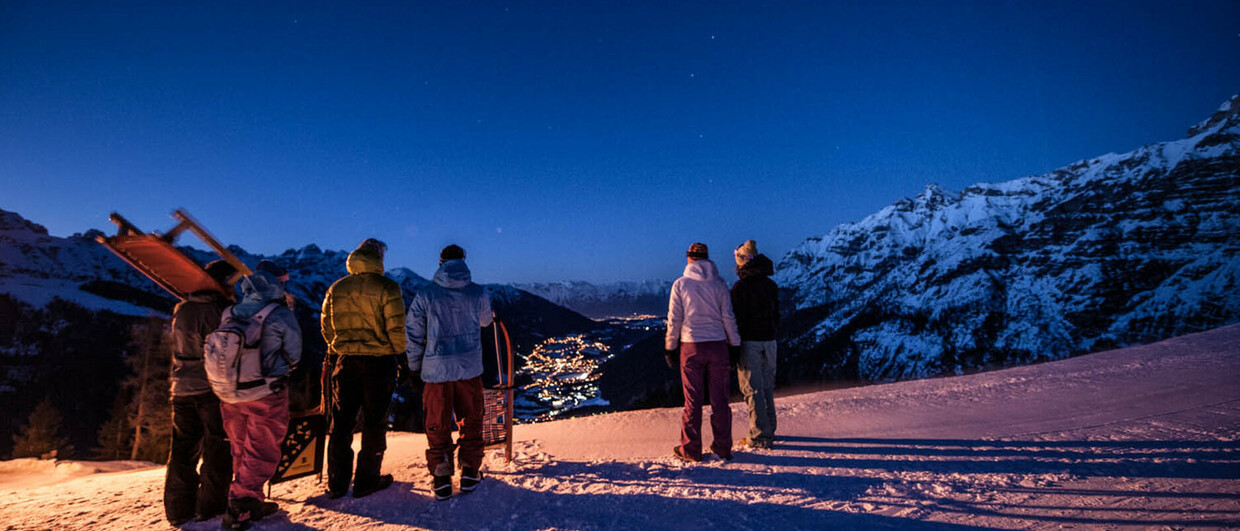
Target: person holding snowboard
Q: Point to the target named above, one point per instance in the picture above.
(256, 427)
(755, 299)
(197, 429)
(444, 326)
(700, 327)
(363, 324)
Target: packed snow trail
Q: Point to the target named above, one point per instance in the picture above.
(1144, 437)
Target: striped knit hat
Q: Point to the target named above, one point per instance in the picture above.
(699, 251)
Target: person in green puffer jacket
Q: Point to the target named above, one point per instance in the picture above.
(364, 326)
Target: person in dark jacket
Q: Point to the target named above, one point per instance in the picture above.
(755, 301)
(197, 429)
(363, 323)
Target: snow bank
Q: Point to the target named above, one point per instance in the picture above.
(1144, 437)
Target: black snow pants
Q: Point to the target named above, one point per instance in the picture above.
(197, 432)
(362, 383)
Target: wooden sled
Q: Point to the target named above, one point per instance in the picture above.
(155, 256)
(497, 400)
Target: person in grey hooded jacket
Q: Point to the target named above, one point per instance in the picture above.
(256, 428)
(444, 328)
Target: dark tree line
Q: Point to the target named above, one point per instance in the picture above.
(82, 383)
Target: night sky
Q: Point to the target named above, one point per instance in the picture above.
(573, 140)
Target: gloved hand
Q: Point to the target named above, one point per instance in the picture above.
(672, 357)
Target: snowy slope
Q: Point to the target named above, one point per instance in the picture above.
(1116, 250)
(1144, 437)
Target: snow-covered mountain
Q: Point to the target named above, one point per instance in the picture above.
(613, 299)
(35, 267)
(1116, 250)
(1139, 438)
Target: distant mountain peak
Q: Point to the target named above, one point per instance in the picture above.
(1226, 117)
(12, 221)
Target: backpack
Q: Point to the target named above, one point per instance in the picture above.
(233, 361)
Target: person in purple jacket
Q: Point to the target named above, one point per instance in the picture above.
(701, 325)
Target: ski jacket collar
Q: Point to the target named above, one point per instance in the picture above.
(453, 274)
(759, 266)
(702, 270)
(364, 260)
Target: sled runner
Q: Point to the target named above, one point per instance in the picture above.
(497, 394)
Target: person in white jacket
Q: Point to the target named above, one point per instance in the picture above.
(701, 325)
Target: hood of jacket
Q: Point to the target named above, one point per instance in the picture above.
(702, 270)
(453, 274)
(256, 291)
(760, 265)
(364, 260)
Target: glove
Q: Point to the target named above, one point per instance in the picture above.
(672, 357)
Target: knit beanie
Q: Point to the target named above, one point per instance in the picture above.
(746, 252)
(451, 252)
(280, 273)
(698, 251)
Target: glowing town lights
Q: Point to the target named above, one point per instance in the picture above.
(563, 371)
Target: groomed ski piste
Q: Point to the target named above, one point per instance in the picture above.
(1137, 438)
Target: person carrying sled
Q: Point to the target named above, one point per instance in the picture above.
(197, 429)
(444, 326)
(701, 325)
(755, 299)
(256, 425)
(363, 324)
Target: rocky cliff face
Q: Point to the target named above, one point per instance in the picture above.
(1115, 250)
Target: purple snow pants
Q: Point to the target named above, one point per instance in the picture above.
(255, 429)
(704, 366)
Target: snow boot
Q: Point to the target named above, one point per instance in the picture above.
(203, 517)
(383, 482)
(758, 444)
(336, 494)
(442, 485)
(676, 451)
(470, 478)
(238, 515)
(260, 509)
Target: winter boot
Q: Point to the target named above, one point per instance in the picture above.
(260, 509)
(382, 482)
(470, 478)
(442, 485)
(238, 515)
(680, 454)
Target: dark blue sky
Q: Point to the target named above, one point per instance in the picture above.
(574, 140)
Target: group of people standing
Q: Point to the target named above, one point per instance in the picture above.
(371, 340)
(709, 329)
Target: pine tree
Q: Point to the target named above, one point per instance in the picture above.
(115, 434)
(150, 357)
(43, 434)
